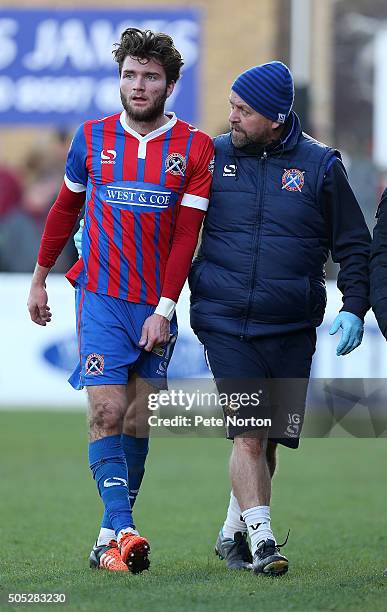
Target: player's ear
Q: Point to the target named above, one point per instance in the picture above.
(275, 125)
(170, 88)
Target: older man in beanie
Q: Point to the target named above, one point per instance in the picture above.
(280, 203)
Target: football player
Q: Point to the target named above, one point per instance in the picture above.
(143, 176)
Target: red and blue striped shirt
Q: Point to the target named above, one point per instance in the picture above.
(135, 186)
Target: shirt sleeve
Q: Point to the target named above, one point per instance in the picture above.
(59, 225)
(349, 238)
(378, 266)
(198, 188)
(194, 205)
(185, 239)
(76, 171)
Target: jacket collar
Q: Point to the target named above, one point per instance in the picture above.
(288, 141)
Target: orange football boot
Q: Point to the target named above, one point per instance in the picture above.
(107, 557)
(134, 552)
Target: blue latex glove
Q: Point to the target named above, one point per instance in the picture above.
(78, 237)
(352, 332)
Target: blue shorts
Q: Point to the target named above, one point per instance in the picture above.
(109, 330)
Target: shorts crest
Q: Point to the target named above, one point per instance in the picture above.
(94, 364)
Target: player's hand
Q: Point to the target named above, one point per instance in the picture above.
(155, 332)
(37, 305)
(352, 332)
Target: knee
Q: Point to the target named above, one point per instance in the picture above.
(136, 419)
(106, 415)
(251, 445)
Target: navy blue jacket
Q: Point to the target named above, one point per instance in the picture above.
(273, 218)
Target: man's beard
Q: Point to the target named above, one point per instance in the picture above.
(241, 139)
(147, 114)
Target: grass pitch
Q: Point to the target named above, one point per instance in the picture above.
(331, 494)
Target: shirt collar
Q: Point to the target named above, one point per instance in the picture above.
(161, 130)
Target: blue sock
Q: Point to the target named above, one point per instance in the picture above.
(136, 451)
(108, 465)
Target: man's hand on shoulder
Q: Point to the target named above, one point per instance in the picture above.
(352, 332)
(155, 332)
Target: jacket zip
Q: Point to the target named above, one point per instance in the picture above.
(262, 164)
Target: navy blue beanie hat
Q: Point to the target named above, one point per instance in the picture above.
(268, 89)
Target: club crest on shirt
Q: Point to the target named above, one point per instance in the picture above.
(293, 179)
(94, 364)
(175, 164)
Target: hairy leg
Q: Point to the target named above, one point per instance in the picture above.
(134, 423)
(251, 483)
(107, 406)
(137, 413)
(249, 471)
(233, 523)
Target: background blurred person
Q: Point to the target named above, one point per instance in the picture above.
(25, 203)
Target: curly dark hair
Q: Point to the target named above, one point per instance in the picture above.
(147, 45)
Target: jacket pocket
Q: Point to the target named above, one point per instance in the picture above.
(280, 300)
(196, 271)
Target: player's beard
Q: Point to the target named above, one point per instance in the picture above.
(151, 113)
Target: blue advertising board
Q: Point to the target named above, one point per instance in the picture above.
(56, 65)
